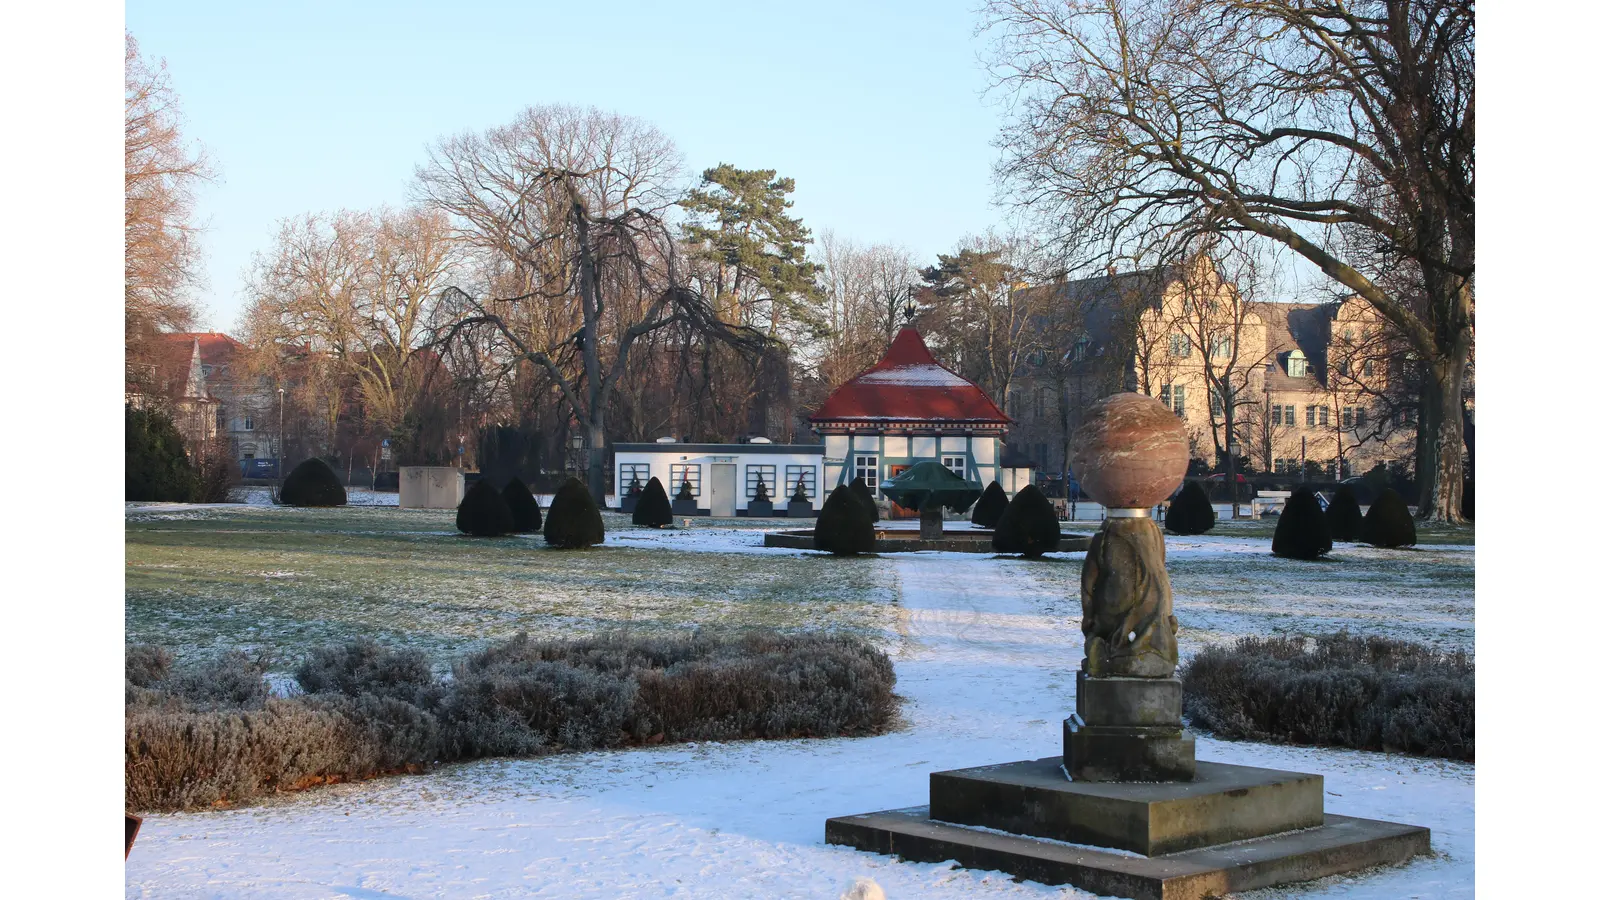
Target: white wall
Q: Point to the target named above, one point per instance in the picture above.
(661, 462)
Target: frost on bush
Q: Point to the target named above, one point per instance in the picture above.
(1338, 690)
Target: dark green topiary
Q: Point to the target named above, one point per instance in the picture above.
(157, 468)
(864, 494)
(483, 512)
(761, 491)
(573, 520)
(634, 489)
(800, 495)
(844, 526)
(653, 510)
(686, 491)
(525, 517)
(1302, 531)
(1191, 511)
(1344, 514)
(991, 506)
(312, 483)
(1028, 526)
(1388, 522)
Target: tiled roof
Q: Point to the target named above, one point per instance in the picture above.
(909, 385)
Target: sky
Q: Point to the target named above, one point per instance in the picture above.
(877, 109)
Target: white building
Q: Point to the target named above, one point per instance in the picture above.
(723, 477)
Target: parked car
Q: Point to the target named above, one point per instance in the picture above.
(1054, 486)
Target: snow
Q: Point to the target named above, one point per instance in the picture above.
(924, 375)
(985, 650)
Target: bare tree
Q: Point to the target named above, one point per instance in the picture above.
(1340, 130)
(163, 170)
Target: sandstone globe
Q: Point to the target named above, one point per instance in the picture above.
(1131, 452)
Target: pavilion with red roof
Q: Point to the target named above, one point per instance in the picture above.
(906, 409)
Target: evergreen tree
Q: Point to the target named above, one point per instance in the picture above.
(1028, 526)
(800, 495)
(844, 526)
(573, 520)
(312, 483)
(653, 510)
(686, 492)
(1388, 522)
(1191, 511)
(525, 517)
(484, 512)
(1303, 531)
(1344, 514)
(635, 489)
(991, 506)
(156, 467)
(761, 491)
(864, 494)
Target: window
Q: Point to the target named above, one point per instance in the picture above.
(1288, 415)
(1361, 417)
(1297, 364)
(793, 475)
(1080, 350)
(1277, 414)
(766, 474)
(1166, 395)
(1216, 403)
(1221, 347)
(1349, 418)
(1349, 335)
(1038, 403)
(956, 464)
(867, 470)
(1322, 415)
(249, 424)
(682, 472)
(1180, 345)
(628, 473)
(1344, 366)
(1177, 400)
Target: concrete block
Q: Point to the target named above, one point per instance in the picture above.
(1130, 701)
(1223, 803)
(1127, 753)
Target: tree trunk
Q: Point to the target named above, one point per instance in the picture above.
(595, 461)
(1441, 441)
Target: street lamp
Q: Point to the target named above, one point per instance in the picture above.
(279, 463)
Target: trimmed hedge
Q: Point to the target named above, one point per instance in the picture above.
(525, 515)
(368, 710)
(157, 466)
(1028, 526)
(844, 526)
(653, 508)
(1388, 522)
(483, 512)
(312, 483)
(1191, 512)
(1344, 514)
(1337, 690)
(864, 494)
(573, 521)
(991, 506)
(1302, 531)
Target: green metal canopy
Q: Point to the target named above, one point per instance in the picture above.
(930, 480)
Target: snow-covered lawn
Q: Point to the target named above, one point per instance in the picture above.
(985, 650)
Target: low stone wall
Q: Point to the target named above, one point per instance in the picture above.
(900, 541)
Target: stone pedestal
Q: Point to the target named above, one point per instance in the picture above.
(1128, 729)
(931, 522)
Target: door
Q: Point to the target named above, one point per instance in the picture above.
(723, 481)
(896, 511)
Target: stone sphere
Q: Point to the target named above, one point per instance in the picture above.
(1131, 452)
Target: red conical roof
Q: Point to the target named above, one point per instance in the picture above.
(909, 385)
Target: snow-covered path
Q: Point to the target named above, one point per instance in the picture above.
(984, 651)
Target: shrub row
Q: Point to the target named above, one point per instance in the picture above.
(1305, 531)
(1337, 690)
(209, 734)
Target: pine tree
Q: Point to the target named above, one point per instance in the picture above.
(525, 516)
(844, 526)
(1191, 511)
(653, 510)
(864, 493)
(991, 506)
(1344, 514)
(1303, 531)
(484, 512)
(573, 520)
(1028, 526)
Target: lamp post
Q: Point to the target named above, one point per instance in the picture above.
(280, 444)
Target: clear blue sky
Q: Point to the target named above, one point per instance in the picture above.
(875, 109)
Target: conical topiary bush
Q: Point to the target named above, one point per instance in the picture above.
(991, 506)
(1302, 531)
(1388, 522)
(1028, 526)
(312, 483)
(1191, 511)
(573, 520)
(864, 494)
(654, 509)
(1467, 507)
(525, 517)
(1344, 514)
(483, 512)
(843, 526)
